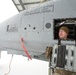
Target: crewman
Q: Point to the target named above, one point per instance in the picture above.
(63, 35)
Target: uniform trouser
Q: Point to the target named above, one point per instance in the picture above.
(63, 72)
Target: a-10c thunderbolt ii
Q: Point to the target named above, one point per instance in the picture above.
(31, 31)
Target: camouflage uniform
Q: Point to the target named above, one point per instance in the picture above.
(63, 72)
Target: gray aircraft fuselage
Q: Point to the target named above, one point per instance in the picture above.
(36, 27)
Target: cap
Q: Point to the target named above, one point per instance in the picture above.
(66, 29)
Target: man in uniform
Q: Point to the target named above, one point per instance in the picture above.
(63, 35)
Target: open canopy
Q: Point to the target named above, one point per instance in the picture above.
(26, 4)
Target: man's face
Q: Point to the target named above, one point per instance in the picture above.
(62, 34)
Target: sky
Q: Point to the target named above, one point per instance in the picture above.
(19, 64)
(7, 10)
